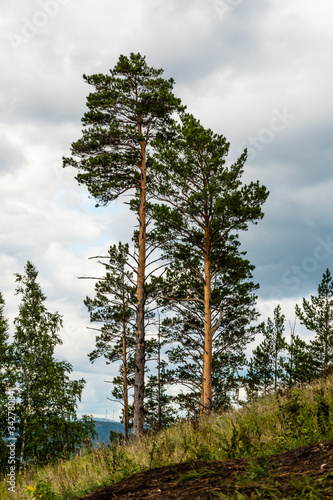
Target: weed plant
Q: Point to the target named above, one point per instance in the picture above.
(271, 424)
(258, 482)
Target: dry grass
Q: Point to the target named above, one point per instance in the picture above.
(269, 425)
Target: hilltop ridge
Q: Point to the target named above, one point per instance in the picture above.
(302, 470)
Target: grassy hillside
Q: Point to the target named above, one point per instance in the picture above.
(270, 425)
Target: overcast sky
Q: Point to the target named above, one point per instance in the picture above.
(258, 72)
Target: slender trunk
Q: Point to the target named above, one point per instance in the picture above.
(23, 441)
(25, 422)
(139, 381)
(291, 361)
(326, 336)
(159, 409)
(125, 386)
(208, 340)
(125, 389)
(201, 409)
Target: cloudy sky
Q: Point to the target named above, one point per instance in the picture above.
(259, 72)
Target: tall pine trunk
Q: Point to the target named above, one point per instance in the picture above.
(125, 381)
(125, 388)
(159, 405)
(206, 406)
(139, 380)
(327, 326)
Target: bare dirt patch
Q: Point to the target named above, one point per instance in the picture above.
(309, 469)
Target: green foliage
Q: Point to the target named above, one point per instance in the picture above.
(188, 372)
(4, 348)
(46, 405)
(196, 474)
(266, 365)
(281, 422)
(126, 110)
(317, 316)
(116, 437)
(258, 429)
(241, 444)
(114, 306)
(260, 482)
(304, 362)
(129, 108)
(44, 491)
(159, 408)
(306, 420)
(203, 206)
(193, 163)
(299, 366)
(6, 381)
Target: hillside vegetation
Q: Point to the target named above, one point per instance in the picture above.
(276, 423)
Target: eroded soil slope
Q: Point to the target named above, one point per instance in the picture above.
(304, 469)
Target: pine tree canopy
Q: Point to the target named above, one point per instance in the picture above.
(127, 110)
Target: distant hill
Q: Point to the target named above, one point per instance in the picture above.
(103, 427)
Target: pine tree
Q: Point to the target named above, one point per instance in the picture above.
(159, 408)
(266, 366)
(119, 394)
(127, 110)
(273, 333)
(46, 410)
(299, 367)
(185, 352)
(260, 375)
(317, 316)
(114, 306)
(203, 206)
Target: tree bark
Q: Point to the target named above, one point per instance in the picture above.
(159, 407)
(139, 381)
(125, 389)
(206, 406)
(326, 335)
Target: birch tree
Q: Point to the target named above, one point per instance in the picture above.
(48, 427)
(6, 382)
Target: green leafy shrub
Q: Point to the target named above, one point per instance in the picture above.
(44, 491)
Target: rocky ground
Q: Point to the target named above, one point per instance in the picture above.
(305, 472)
